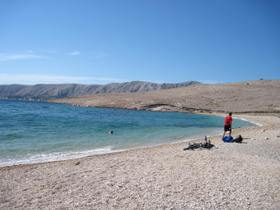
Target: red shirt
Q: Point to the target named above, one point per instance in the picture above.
(228, 120)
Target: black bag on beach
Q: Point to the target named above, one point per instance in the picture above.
(238, 139)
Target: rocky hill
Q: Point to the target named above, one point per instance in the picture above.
(46, 91)
(243, 97)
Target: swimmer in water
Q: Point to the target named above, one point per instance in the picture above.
(111, 132)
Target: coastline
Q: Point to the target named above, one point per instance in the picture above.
(73, 155)
(95, 152)
(90, 153)
(230, 176)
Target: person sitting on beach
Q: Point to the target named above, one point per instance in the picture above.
(227, 124)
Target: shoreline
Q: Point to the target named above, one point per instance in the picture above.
(95, 152)
(81, 156)
(229, 176)
(156, 109)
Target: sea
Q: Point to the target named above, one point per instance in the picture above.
(33, 132)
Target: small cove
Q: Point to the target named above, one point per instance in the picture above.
(39, 131)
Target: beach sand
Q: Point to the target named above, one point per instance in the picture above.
(229, 176)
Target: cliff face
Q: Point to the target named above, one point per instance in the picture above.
(43, 91)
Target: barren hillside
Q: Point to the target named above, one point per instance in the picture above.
(242, 97)
(46, 91)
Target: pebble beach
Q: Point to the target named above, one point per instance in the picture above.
(229, 176)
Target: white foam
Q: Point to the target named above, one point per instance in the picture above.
(244, 119)
(258, 124)
(40, 158)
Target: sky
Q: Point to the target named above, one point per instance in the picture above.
(98, 42)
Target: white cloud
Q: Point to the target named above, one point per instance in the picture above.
(52, 79)
(20, 56)
(74, 53)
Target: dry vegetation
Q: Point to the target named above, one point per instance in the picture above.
(243, 97)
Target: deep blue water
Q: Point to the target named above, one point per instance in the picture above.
(38, 131)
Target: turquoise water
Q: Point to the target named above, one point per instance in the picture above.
(38, 131)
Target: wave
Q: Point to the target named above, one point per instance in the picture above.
(246, 120)
(41, 158)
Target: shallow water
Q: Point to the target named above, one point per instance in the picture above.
(38, 131)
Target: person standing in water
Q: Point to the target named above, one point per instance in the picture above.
(227, 124)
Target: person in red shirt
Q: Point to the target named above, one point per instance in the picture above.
(227, 124)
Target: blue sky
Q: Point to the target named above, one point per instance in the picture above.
(50, 41)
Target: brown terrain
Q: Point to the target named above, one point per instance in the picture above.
(243, 97)
(229, 176)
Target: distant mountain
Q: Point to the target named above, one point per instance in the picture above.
(46, 91)
(238, 97)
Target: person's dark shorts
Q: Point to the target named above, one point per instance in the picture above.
(227, 128)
